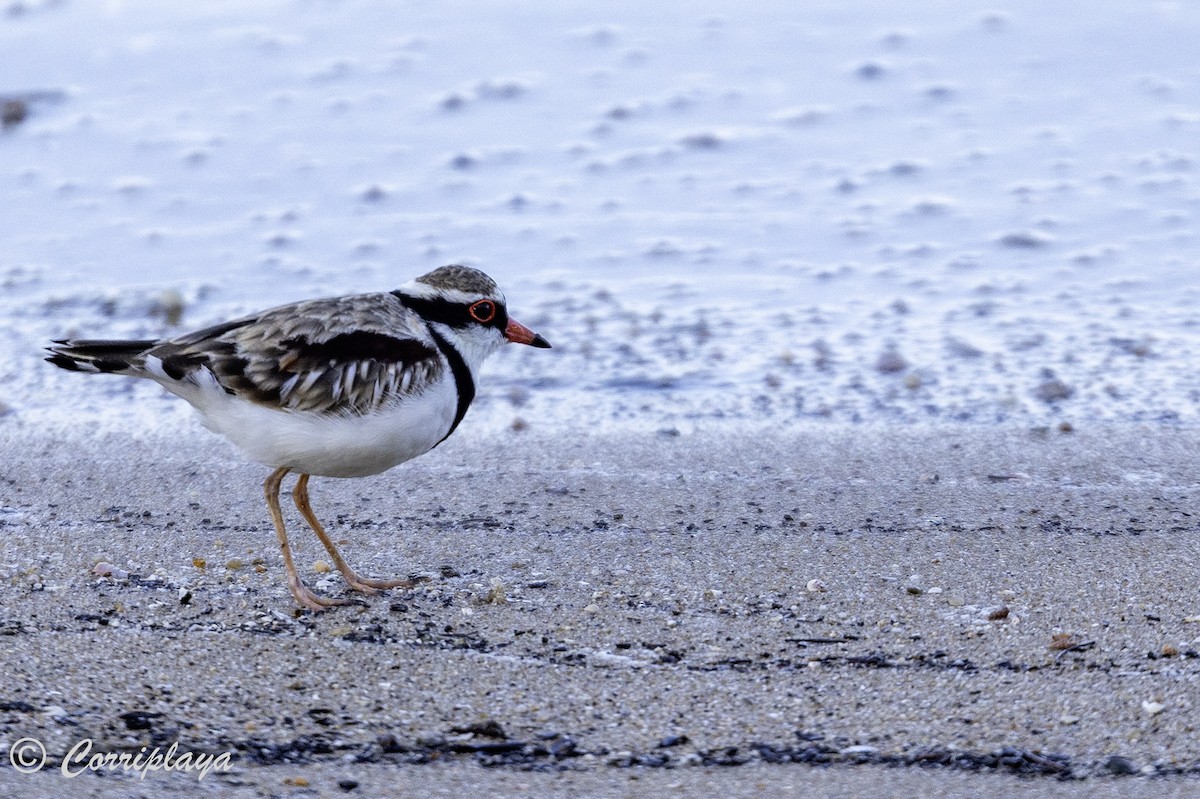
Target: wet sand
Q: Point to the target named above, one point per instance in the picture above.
(954, 611)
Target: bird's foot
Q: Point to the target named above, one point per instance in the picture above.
(312, 600)
(371, 585)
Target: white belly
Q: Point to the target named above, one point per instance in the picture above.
(329, 445)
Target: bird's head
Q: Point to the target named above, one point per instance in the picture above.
(468, 308)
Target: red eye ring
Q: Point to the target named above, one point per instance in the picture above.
(483, 311)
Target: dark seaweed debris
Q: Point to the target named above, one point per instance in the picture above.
(489, 746)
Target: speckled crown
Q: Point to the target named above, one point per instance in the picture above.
(460, 278)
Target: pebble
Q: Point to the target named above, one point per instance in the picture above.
(1152, 708)
(890, 362)
(105, 569)
(962, 349)
(860, 750)
(1053, 390)
(13, 112)
(496, 593)
(1120, 765)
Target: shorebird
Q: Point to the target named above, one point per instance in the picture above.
(338, 387)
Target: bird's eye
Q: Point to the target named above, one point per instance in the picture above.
(483, 311)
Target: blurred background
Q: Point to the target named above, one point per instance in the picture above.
(777, 214)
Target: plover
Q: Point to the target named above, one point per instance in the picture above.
(339, 387)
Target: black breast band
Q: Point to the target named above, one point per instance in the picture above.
(464, 384)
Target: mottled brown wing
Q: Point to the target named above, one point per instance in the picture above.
(339, 355)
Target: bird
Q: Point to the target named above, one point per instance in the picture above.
(344, 386)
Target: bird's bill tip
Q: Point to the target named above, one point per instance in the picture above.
(518, 333)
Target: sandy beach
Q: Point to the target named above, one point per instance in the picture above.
(863, 463)
(960, 611)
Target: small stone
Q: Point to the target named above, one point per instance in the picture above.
(890, 362)
(997, 613)
(496, 594)
(139, 719)
(1061, 642)
(1024, 240)
(962, 349)
(200, 563)
(871, 70)
(321, 567)
(592, 608)
(914, 590)
(1120, 765)
(703, 140)
(373, 194)
(1152, 708)
(860, 750)
(13, 112)
(815, 586)
(105, 569)
(1052, 389)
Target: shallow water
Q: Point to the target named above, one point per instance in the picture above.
(844, 212)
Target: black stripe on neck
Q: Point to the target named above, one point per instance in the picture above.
(464, 384)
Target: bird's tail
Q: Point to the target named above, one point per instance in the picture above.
(100, 355)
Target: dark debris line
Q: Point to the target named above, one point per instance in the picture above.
(491, 748)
